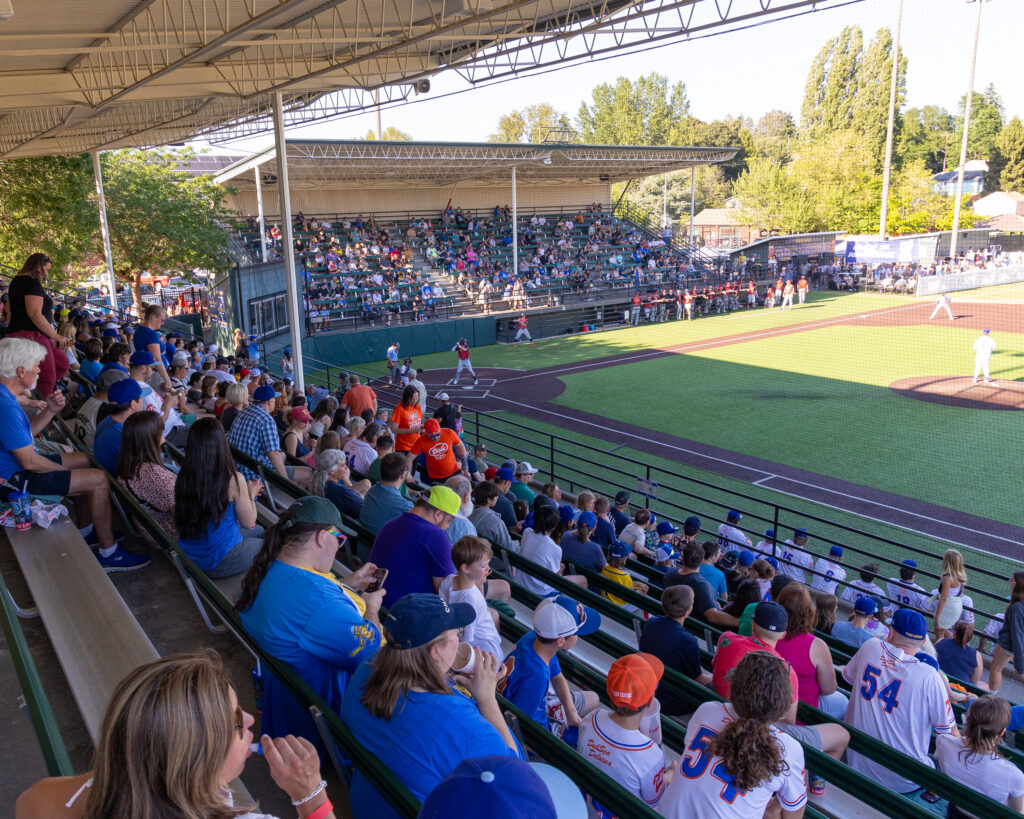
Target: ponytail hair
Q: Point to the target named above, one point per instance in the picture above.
(962, 633)
(583, 532)
(984, 726)
(761, 693)
(275, 540)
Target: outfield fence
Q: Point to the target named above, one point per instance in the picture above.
(578, 465)
(969, 280)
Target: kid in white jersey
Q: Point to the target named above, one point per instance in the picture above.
(727, 771)
(793, 559)
(903, 592)
(896, 698)
(866, 586)
(614, 742)
(827, 572)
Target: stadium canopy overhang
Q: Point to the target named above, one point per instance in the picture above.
(355, 163)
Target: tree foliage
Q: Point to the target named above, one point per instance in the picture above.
(711, 189)
(915, 206)
(986, 123)
(1010, 149)
(389, 134)
(772, 199)
(647, 111)
(529, 124)
(926, 136)
(774, 135)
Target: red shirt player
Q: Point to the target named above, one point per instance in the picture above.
(801, 289)
(751, 294)
(461, 349)
(522, 331)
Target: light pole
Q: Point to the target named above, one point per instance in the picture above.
(968, 104)
(882, 232)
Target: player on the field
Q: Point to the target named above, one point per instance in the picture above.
(794, 560)
(897, 699)
(751, 294)
(522, 330)
(787, 295)
(778, 290)
(827, 572)
(461, 349)
(984, 345)
(613, 740)
(688, 304)
(736, 760)
(801, 289)
(942, 304)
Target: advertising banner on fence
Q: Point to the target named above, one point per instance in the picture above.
(872, 250)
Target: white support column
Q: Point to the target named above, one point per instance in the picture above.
(259, 211)
(969, 104)
(693, 188)
(288, 244)
(886, 174)
(515, 227)
(97, 172)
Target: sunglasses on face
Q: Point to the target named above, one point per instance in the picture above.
(333, 530)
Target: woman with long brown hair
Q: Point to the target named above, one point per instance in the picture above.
(1010, 642)
(30, 315)
(736, 760)
(173, 737)
(958, 658)
(809, 655)
(403, 707)
(141, 470)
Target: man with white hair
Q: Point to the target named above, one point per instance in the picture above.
(22, 468)
(461, 524)
(421, 388)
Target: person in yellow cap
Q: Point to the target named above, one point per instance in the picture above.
(414, 547)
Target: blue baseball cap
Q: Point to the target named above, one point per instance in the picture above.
(124, 391)
(560, 616)
(910, 624)
(865, 605)
(504, 474)
(911, 563)
(665, 527)
(691, 525)
(771, 616)
(746, 557)
(264, 394)
(588, 519)
(799, 533)
(769, 533)
(986, 331)
(836, 551)
(663, 553)
(620, 549)
(772, 562)
(1016, 718)
(110, 332)
(416, 619)
(733, 515)
(928, 659)
(141, 358)
(565, 511)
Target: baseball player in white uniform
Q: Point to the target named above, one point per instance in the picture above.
(731, 538)
(861, 588)
(794, 560)
(904, 592)
(767, 546)
(897, 699)
(942, 304)
(827, 573)
(984, 345)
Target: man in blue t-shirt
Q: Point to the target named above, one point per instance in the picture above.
(668, 640)
(414, 547)
(533, 664)
(620, 512)
(854, 632)
(704, 600)
(125, 399)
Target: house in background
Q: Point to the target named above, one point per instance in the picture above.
(720, 227)
(1002, 211)
(974, 179)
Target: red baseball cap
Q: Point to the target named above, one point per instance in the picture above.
(633, 679)
(300, 414)
(432, 426)
(490, 472)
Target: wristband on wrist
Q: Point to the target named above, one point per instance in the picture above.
(313, 793)
(323, 811)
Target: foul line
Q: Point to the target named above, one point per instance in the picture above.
(718, 342)
(769, 476)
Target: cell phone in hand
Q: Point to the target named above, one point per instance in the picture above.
(378, 580)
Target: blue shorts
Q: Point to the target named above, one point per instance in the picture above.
(42, 483)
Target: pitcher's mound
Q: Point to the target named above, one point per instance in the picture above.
(956, 391)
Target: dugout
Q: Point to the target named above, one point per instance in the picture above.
(797, 249)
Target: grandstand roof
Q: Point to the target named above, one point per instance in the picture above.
(80, 76)
(348, 163)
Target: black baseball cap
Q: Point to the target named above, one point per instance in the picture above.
(771, 617)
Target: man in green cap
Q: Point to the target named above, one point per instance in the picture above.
(414, 547)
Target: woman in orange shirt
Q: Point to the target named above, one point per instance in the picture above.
(407, 420)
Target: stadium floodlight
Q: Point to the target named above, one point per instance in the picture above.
(6, 10)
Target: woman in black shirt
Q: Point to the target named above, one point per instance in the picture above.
(30, 315)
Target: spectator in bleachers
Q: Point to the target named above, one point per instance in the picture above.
(615, 570)
(688, 574)
(94, 409)
(864, 585)
(215, 506)
(613, 740)
(767, 546)
(116, 358)
(124, 399)
(406, 422)
(359, 396)
(769, 626)
(974, 758)
(502, 479)
(29, 312)
(90, 365)
(254, 433)
(402, 706)
(537, 545)
(904, 591)
(146, 338)
(141, 470)
(854, 632)
(443, 450)
(524, 473)
(478, 463)
(729, 537)
(185, 712)
(532, 668)
(951, 589)
(237, 399)
(793, 560)
(295, 438)
(620, 512)
(748, 595)
(710, 572)
(604, 533)
(1010, 637)
(472, 558)
(958, 658)
(361, 452)
(58, 474)
(577, 547)
(810, 656)
(169, 407)
(385, 502)
(461, 525)
(414, 548)
(301, 614)
(886, 674)
(825, 618)
(323, 416)
(488, 523)
(420, 388)
(667, 639)
(332, 480)
(745, 758)
(635, 534)
(828, 573)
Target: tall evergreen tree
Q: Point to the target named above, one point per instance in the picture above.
(986, 123)
(870, 110)
(1010, 147)
(926, 136)
(832, 85)
(774, 135)
(647, 111)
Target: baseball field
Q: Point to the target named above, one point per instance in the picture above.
(854, 407)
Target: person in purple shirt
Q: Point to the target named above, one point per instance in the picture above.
(414, 547)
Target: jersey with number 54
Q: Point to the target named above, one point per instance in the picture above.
(898, 700)
(703, 788)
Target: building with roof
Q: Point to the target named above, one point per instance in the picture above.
(974, 179)
(720, 227)
(1000, 203)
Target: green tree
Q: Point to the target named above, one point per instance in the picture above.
(160, 217)
(529, 124)
(840, 174)
(389, 134)
(711, 189)
(870, 111)
(926, 136)
(728, 132)
(773, 136)
(647, 111)
(47, 205)
(1010, 147)
(832, 85)
(915, 206)
(772, 200)
(986, 123)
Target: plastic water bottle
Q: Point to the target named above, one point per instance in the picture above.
(257, 689)
(21, 507)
